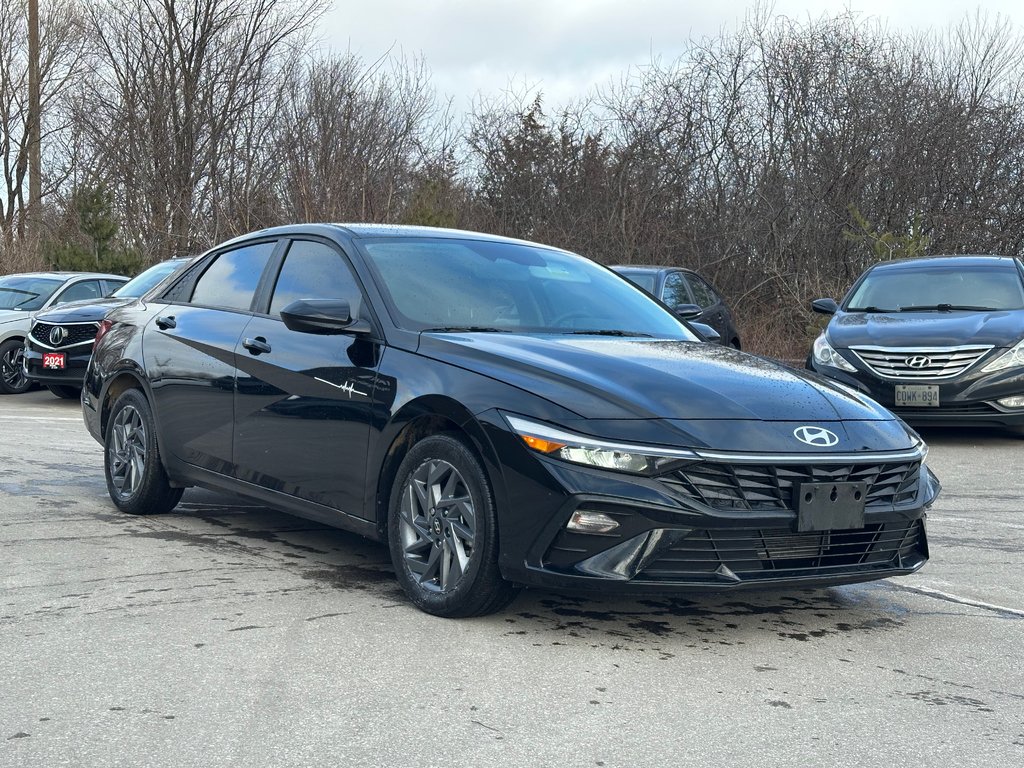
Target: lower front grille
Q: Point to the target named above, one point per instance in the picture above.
(770, 554)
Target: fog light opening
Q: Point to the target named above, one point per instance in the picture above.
(589, 521)
(1017, 401)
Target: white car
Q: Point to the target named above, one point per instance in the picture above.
(22, 295)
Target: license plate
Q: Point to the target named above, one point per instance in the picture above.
(830, 506)
(54, 360)
(917, 395)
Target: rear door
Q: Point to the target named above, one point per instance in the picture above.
(189, 354)
(303, 401)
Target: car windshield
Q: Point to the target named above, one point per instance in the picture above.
(937, 288)
(142, 283)
(26, 293)
(480, 285)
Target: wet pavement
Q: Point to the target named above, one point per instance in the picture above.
(229, 634)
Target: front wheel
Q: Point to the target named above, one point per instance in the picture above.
(442, 531)
(136, 480)
(13, 380)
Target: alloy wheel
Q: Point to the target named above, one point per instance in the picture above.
(12, 370)
(437, 525)
(127, 452)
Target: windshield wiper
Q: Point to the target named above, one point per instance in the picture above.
(608, 332)
(465, 329)
(945, 308)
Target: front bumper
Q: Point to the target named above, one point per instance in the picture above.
(710, 535)
(970, 399)
(72, 374)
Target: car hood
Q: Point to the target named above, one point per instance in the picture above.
(925, 329)
(81, 311)
(616, 379)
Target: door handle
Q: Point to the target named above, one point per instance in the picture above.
(256, 346)
(165, 322)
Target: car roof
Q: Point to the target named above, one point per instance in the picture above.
(954, 261)
(68, 275)
(646, 268)
(361, 230)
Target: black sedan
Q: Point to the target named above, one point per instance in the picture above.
(500, 413)
(688, 295)
(60, 340)
(939, 340)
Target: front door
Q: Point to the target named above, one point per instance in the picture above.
(303, 401)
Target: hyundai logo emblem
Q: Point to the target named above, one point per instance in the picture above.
(819, 437)
(918, 362)
(58, 334)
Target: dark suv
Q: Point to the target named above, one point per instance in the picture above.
(937, 340)
(687, 294)
(59, 341)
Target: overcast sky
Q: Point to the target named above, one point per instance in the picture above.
(563, 47)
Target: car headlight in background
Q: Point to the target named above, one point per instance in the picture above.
(1011, 358)
(592, 452)
(824, 354)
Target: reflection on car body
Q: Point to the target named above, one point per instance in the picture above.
(500, 413)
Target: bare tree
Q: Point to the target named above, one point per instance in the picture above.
(176, 96)
(60, 64)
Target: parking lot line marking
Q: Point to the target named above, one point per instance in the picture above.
(927, 592)
(19, 417)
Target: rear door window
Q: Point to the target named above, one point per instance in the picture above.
(230, 281)
(84, 289)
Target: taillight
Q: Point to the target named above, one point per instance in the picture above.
(105, 326)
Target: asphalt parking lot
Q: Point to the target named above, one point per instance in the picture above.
(229, 634)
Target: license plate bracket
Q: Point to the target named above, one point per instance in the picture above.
(830, 506)
(917, 395)
(54, 360)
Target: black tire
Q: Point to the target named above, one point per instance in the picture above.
(65, 391)
(444, 537)
(12, 373)
(136, 480)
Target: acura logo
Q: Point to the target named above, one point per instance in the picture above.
(918, 362)
(819, 437)
(58, 334)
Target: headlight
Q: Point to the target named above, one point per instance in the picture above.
(824, 354)
(1011, 358)
(592, 452)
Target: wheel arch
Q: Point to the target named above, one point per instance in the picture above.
(421, 418)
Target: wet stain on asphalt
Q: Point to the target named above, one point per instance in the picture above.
(936, 699)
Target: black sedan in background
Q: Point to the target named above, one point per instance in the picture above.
(689, 295)
(937, 340)
(60, 340)
(500, 413)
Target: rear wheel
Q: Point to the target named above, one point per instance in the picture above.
(442, 531)
(12, 372)
(136, 480)
(65, 391)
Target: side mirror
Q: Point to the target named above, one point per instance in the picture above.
(323, 316)
(686, 311)
(706, 332)
(825, 306)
